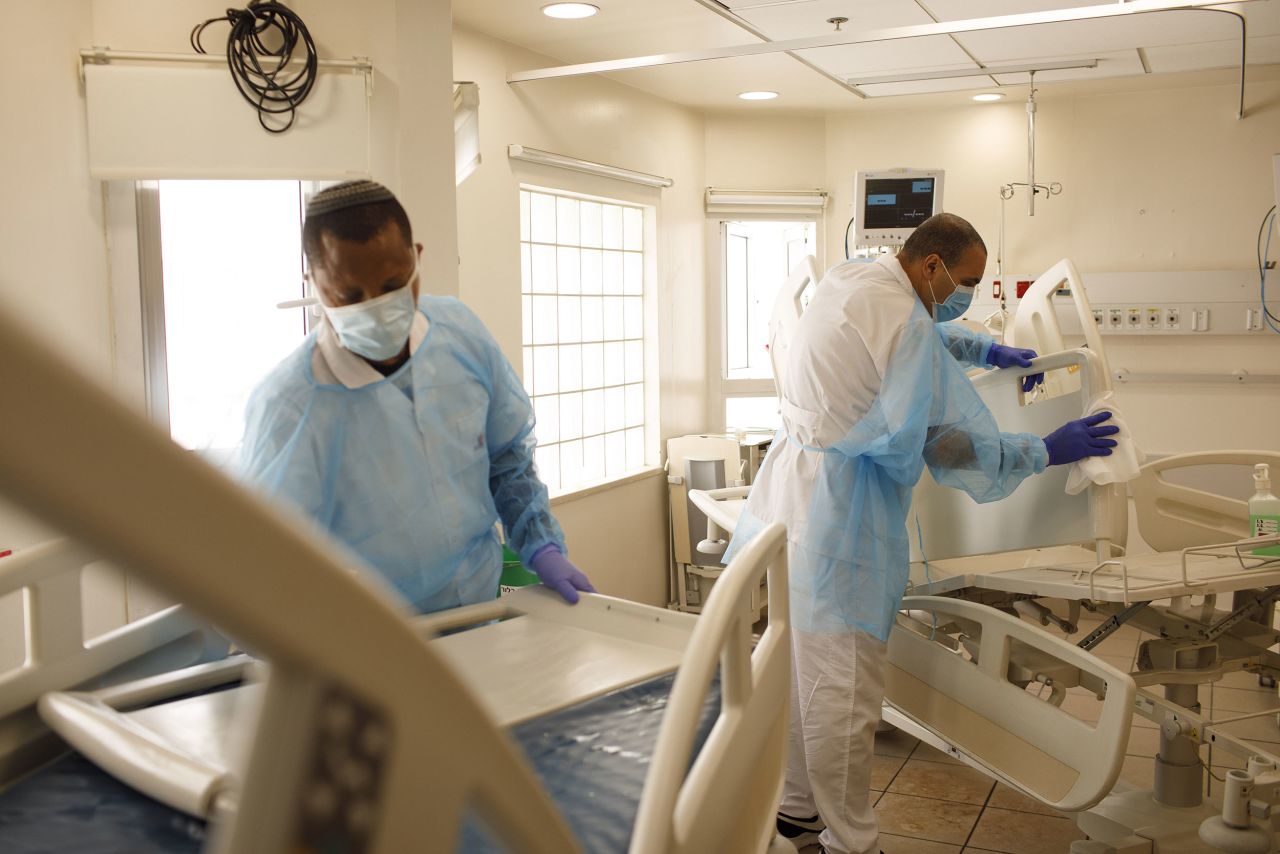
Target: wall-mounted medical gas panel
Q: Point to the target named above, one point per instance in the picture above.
(1223, 302)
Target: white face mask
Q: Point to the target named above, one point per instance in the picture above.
(378, 328)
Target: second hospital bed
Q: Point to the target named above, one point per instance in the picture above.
(356, 733)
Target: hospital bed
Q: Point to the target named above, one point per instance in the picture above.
(353, 727)
(966, 671)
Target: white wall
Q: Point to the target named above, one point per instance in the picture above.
(619, 535)
(1153, 179)
(54, 261)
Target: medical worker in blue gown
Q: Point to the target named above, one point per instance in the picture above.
(873, 391)
(398, 425)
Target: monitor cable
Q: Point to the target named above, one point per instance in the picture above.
(260, 48)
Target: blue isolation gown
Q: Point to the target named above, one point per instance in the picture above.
(412, 471)
(873, 390)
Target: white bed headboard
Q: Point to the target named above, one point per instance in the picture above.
(1039, 513)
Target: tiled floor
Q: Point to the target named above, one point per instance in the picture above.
(928, 803)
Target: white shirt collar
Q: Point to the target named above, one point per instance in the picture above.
(333, 364)
(893, 265)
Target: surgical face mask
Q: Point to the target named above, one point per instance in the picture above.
(378, 328)
(954, 305)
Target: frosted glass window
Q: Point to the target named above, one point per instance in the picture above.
(582, 282)
(570, 368)
(542, 218)
(592, 271)
(591, 219)
(569, 270)
(612, 227)
(571, 416)
(570, 331)
(613, 323)
(230, 251)
(632, 273)
(546, 370)
(545, 315)
(592, 319)
(614, 272)
(547, 412)
(633, 371)
(632, 229)
(543, 270)
(567, 233)
(547, 460)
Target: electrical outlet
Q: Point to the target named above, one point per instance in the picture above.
(1200, 320)
(1153, 318)
(1097, 317)
(1172, 318)
(1253, 320)
(1135, 318)
(1116, 318)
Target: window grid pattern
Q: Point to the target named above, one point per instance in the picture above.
(582, 290)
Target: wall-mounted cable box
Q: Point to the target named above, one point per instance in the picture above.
(1211, 302)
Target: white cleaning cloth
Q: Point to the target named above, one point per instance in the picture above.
(1125, 460)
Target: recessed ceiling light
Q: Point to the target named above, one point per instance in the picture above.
(989, 96)
(757, 96)
(570, 10)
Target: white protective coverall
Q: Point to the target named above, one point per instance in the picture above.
(873, 390)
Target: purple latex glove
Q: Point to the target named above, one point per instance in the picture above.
(1081, 438)
(555, 571)
(1001, 356)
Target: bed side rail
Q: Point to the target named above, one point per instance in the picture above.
(739, 769)
(1172, 517)
(58, 655)
(1027, 742)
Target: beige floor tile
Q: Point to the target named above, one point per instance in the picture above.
(1143, 742)
(1082, 707)
(1245, 682)
(895, 743)
(929, 753)
(883, 769)
(1239, 700)
(1011, 799)
(1023, 833)
(922, 818)
(891, 844)
(1262, 729)
(1138, 771)
(942, 780)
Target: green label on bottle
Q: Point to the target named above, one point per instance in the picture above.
(1265, 526)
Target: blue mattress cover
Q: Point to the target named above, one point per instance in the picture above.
(592, 759)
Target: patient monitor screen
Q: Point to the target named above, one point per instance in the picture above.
(897, 202)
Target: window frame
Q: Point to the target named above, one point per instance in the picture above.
(150, 368)
(722, 387)
(651, 424)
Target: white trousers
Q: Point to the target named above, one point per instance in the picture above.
(837, 685)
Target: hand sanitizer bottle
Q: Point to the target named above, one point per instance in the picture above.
(1264, 509)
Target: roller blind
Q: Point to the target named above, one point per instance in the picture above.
(771, 202)
(156, 121)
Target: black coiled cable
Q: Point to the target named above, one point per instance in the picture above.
(260, 69)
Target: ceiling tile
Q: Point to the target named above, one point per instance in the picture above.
(878, 58)
(1125, 63)
(1225, 54)
(1080, 38)
(798, 20)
